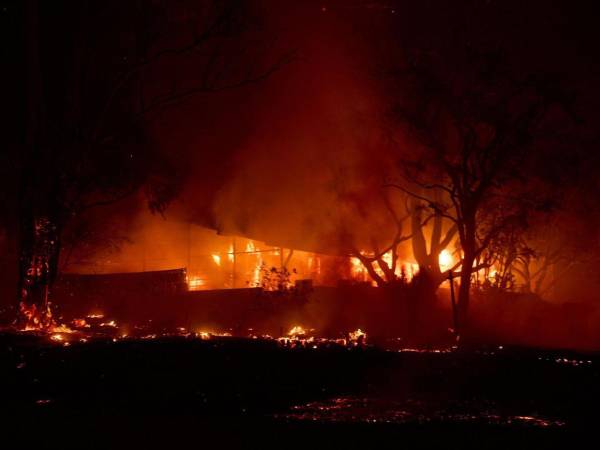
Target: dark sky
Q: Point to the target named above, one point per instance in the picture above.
(270, 159)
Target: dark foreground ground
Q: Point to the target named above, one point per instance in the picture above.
(180, 392)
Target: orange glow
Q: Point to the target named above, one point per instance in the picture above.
(80, 323)
(357, 269)
(57, 337)
(446, 260)
(195, 283)
(95, 316)
(61, 329)
(255, 275)
(297, 331)
(204, 334)
(217, 259)
(357, 336)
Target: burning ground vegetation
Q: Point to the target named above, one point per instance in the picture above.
(95, 327)
(79, 379)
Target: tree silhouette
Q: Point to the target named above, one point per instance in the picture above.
(467, 129)
(96, 72)
(428, 259)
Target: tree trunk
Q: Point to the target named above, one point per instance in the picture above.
(464, 292)
(38, 267)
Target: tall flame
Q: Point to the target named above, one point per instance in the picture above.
(251, 248)
(445, 259)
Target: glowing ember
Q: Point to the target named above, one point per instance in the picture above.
(203, 334)
(95, 316)
(35, 318)
(80, 323)
(423, 350)
(379, 410)
(61, 329)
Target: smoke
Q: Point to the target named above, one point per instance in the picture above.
(303, 154)
(299, 159)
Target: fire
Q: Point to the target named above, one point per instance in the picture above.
(256, 273)
(314, 264)
(217, 259)
(297, 330)
(80, 323)
(251, 248)
(203, 334)
(61, 334)
(195, 283)
(445, 260)
(230, 255)
(358, 270)
(358, 336)
(388, 258)
(35, 318)
(413, 270)
(95, 316)
(61, 329)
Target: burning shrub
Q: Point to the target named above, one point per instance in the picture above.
(276, 279)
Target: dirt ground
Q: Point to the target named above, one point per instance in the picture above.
(246, 393)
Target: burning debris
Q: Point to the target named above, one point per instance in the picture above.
(297, 330)
(80, 323)
(210, 334)
(94, 327)
(37, 274)
(383, 411)
(57, 337)
(357, 337)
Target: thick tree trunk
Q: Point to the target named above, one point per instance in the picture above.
(429, 260)
(38, 263)
(464, 292)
